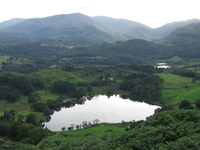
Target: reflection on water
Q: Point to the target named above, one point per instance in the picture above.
(162, 65)
(110, 110)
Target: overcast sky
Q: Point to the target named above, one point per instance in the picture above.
(153, 13)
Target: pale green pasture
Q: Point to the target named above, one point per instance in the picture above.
(176, 81)
(96, 130)
(53, 75)
(175, 96)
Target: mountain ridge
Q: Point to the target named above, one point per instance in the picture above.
(78, 29)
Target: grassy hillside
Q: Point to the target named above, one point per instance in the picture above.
(177, 88)
(176, 81)
(187, 38)
(53, 75)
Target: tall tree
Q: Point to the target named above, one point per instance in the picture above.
(31, 118)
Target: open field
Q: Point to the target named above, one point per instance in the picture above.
(175, 96)
(177, 88)
(176, 81)
(46, 95)
(53, 75)
(98, 129)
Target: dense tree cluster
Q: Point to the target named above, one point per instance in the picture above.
(63, 87)
(25, 131)
(143, 86)
(22, 68)
(185, 73)
(48, 107)
(67, 88)
(31, 49)
(121, 52)
(11, 85)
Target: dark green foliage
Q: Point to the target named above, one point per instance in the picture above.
(63, 87)
(5, 92)
(22, 68)
(14, 96)
(13, 129)
(185, 105)
(35, 135)
(185, 73)
(33, 97)
(143, 87)
(80, 93)
(101, 82)
(89, 88)
(68, 68)
(8, 116)
(48, 107)
(23, 83)
(54, 104)
(31, 118)
(4, 128)
(126, 52)
(29, 89)
(165, 130)
(39, 106)
(30, 49)
(197, 104)
(47, 111)
(23, 130)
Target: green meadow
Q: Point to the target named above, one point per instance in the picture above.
(177, 81)
(53, 75)
(175, 96)
(177, 88)
(98, 129)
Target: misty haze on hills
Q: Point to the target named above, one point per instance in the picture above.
(70, 27)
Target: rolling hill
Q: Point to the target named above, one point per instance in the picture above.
(10, 22)
(187, 38)
(60, 27)
(79, 29)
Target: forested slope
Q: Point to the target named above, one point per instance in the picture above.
(187, 38)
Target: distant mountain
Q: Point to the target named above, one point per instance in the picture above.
(187, 38)
(132, 29)
(73, 27)
(80, 29)
(165, 30)
(10, 22)
(125, 28)
(184, 35)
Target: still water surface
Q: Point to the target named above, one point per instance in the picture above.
(111, 110)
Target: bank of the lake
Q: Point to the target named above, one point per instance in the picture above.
(101, 109)
(99, 129)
